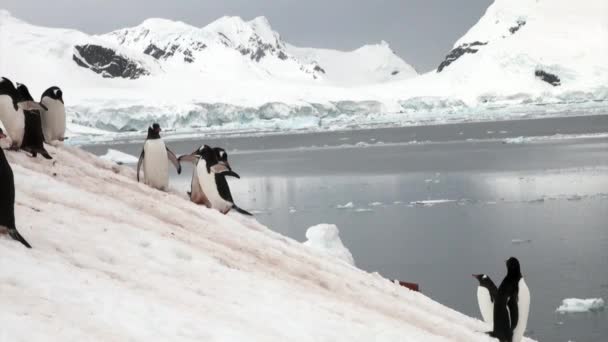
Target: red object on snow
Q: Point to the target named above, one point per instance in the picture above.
(411, 286)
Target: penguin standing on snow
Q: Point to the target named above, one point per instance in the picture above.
(11, 114)
(7, 199)
(486, 296)
(210, 174)
(512, 305)
(33, 139)
(154, 157)
(53, 119)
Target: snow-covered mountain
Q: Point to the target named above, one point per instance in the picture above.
(523, 57)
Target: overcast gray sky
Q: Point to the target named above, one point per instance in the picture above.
(420, 31)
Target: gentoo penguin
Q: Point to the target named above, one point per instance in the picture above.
(53, 119)
(7, 199)
(512, 305)
(154, 157)
(486, 295)
(11, 114)
(211, 174)
(33, 139)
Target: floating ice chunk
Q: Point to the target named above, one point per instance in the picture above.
(375, 204)
(430, 203)
(361, 144)
(516, 140)
(575, 305)
(348, 205)
(520, 241)
(326, 239)
(292, 210)
(119, 157)
(363, 210)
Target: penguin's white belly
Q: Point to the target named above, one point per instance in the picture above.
(13, 121)
(156, 164)
(209, 187)
(53, 119)
(485, 304)
(523, 305)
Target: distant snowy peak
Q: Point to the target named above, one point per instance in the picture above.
(373, 63)
(543, 43)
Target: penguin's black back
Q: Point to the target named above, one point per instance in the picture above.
(506, 311)
(7, 193)
(222, 187)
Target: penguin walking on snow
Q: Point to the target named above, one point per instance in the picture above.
(53, 119)
(7, 199)
(154, 157)
(211, 169)
(33, 139)
(512, 305)
(11, 114)
(486, 296)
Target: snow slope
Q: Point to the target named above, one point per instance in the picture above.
(114, 260)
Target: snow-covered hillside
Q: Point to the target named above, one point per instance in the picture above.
(114, 260)
(523, 58)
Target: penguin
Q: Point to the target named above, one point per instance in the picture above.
(512, 305)
(53, 119)
(486, 296)
(7, 199)
(11, 114)
(211, 173)
(154, 157)
(33, 139)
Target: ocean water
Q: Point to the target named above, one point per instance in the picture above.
(435, 204)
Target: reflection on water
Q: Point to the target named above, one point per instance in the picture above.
(554, 221)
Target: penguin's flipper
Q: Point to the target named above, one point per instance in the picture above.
(174, 160)
(32, 105)
(139, 162)
(230, 173)
(16, 236)
(513, 311)
(241, 211)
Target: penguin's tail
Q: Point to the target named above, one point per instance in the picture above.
(242, 211)
(16, 236)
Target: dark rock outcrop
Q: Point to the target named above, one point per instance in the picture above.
(107, 62)
(516, 28)
(459, 52)
(547, 77)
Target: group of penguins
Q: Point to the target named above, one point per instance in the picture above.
(209, 186)
(28, 124)
(507, 307)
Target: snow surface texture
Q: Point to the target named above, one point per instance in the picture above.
(119, 157)
(114, 260)
(575, 305)
(326, 238)
(240, 75)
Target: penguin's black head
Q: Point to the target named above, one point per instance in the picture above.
(483, 279)
(26, 101)
(23, 93)
(222, 157)
(54, 93)
(154, 131)
(513, 266)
